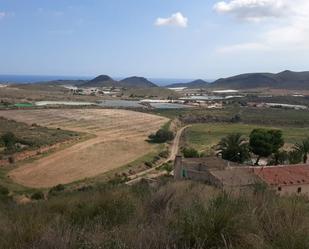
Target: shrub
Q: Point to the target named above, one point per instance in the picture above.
(57, 188)
(9, 140)
(168, 167)
(110, 210)
(164, 154)
(190, 153)
(149, 164)
(161, 136)
(11, 159)
(295, 157)
(155, 159)
(118, 180)
(4, 191)
(37, 195)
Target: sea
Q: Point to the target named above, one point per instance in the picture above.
(26, 79)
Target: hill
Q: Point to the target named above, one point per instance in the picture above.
(285, 80)
(193, 84)
(101, 81)
(131, 82)
(139, 82)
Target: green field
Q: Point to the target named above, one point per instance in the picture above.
(203, 136)
(268, 116)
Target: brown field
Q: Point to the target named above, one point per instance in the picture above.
(120, 139)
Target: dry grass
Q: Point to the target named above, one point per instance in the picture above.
(172, 216)
(119, 139)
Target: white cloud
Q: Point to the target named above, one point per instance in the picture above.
(290, 33)
(254, 10)
(177, 19)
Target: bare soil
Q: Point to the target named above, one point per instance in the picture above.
(119, 139)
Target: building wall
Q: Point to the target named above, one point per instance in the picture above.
(293, 189)
(204, 176)
(178, 169)
(182, 173)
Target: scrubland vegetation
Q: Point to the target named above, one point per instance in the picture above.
(166, 214)
(234, 113)
(16, 136)
(170, 215)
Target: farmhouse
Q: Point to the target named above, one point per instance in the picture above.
(215, 171)
(285, 179)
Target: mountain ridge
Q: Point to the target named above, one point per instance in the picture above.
(286, 80)
(130, 82)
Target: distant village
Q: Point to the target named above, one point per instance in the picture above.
(189, 96)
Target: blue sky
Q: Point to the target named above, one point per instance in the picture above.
(153, 38)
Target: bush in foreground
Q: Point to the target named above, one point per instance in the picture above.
(180, 215)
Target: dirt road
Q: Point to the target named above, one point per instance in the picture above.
(173, 153)
(119, 139)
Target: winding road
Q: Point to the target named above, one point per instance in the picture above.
(173, 153)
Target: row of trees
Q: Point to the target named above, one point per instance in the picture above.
(262, 143)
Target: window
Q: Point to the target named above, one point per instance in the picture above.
(299, 190)
(279, 188)
(184, 173)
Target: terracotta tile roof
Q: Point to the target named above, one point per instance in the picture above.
(284, 175)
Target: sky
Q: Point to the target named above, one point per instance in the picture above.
(205, 39)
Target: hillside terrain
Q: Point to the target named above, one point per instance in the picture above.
(193, 84)
(284, 80)
(139, 82)
(131, 82)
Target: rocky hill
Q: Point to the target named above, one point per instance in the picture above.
(284, 80)
(101, 81)
(131, 82)
(139, 82)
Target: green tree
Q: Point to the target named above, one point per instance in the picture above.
(234, 148)
(9, 141)
(295, 157)
(264, 142)
(161, 136)
(303, 149)
(279, 157)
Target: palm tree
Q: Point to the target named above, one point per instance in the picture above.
(234, 148)
(303, 148)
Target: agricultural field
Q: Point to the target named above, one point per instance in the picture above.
(119, 137)
(204, 136)
(32, 135)
(248, 115)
